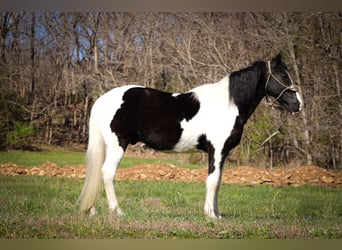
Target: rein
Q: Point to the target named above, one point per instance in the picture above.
(292, 87)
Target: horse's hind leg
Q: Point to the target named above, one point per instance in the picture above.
(114, 153)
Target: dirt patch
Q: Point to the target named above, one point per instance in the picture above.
(311, 175)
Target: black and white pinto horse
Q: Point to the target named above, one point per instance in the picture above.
(210, 118)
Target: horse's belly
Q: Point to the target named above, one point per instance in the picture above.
(188, 141)
(186, 144)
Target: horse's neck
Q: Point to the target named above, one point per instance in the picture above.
(247, 89)
(251, 108)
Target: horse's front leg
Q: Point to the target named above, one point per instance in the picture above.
(211, 200)
(213, 185)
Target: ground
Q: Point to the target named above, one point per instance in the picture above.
(244, 175)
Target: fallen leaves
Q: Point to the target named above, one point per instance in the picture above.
(311, 175)
(48, 168)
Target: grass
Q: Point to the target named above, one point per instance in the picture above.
(30, 159)
(45, 207)
(65, 157)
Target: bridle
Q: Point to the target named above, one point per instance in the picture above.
(292, 86)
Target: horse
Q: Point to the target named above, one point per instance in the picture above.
(209, 118)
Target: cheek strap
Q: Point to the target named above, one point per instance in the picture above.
(292, 87)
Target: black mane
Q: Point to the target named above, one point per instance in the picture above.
(246, 87)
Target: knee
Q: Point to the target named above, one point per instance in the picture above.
(107, 174)
(212, 181)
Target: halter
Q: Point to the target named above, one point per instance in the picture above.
(292, 87)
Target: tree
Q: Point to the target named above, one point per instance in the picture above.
(54, 65)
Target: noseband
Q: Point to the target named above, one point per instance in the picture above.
(292, 87)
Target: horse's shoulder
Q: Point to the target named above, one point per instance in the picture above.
(212, 91)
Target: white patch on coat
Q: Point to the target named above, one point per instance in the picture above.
(215, 118)
(107, 105)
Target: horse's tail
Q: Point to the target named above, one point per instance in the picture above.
(95, 159)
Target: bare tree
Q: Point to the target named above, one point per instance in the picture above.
(53, 65)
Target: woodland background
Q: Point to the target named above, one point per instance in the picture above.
(53, 65)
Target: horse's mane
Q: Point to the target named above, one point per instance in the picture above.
(245, 83)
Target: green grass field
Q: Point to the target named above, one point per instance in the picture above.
(65, 157)
(45, 207)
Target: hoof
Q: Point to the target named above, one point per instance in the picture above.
(117, 211)
(211, 212)
(214, 217)
(93, 212)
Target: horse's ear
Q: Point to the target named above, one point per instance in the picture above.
(277, 58)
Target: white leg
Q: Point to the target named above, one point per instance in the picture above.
(212, 187)
(213, 184)
(113, 158)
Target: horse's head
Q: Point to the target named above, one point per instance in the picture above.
(279, 85)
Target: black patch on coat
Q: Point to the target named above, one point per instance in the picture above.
(233, 140)
(153, 117)
(205, 145)
(247, 88)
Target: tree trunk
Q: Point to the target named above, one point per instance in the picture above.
(32, 50)
(4, 22)
(338, 89)
(306, 132)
